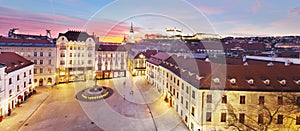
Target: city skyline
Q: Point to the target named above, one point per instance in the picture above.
(111, 19)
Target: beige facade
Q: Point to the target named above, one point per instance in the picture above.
(44, 59)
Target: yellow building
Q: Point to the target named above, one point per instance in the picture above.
(137, 61)
(211, 96)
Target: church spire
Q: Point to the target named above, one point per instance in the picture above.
(131, 28)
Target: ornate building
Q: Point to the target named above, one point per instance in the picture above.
(40, 51)
(209, 95)
(75, 56)
(137, 61)
(111, 61)
(16, 82)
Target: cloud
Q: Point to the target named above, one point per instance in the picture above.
(294, 11)
(255, 9)
(210, 10)
(37, 23)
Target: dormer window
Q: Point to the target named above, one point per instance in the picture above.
(233, 81)
(267, 82)
(216, 80)
(270, 64)
(297, 82)
(199, 77)
(183, 70)
(245, 64)
(282, 82)
(251, 82)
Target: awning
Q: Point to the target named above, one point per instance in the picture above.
(26, 92)
(20, 97)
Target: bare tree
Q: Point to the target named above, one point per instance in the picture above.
(262, 117)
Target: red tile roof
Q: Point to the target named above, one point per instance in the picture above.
(191, 70)
(13, 61)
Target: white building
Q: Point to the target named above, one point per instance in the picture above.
(210, 96)
(17, 80)
(41, 52)
(75, 56)
(111, 61)
(2, 91)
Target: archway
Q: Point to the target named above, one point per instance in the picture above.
(49, 81)
(41, 82)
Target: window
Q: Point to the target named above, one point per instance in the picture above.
(49, 70)
(29, 81)
(28, 54)
(41, 54)
(187, 89)
(174, 91)
(279, 119)
(24, 84)
(209, 99)
(193, 94)
(279, 100)
(260, 118)
(62, 55)
(261, 100)
(193, 111)
(223, 117)
(35, 61)
(297, 120)
(186, 104)
(181, 99)
(224, 99)
(90, 62)
(177, 95)
(208, 116)
(49, 62)
(10, 93)
(24, 74)
(242, 99)
(18, 77)
(242, 118)
(62, 62)
(70, 62)
(41, 70)
(298, 100)
(35, 71)
(41, 62)
(29, 72)
(35, 54)
(49, 54)
(182, 86)
(18, 88)
(70, 54)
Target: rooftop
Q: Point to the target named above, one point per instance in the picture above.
(25, 42)
(13, 61)
(76, 35)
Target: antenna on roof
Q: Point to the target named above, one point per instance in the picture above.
(48, 33)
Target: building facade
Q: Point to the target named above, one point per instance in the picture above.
(17, 80)
(2, 91)
(137, 61)
(231, 97)
(75, 56)
(111, 61)
(41, 52)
